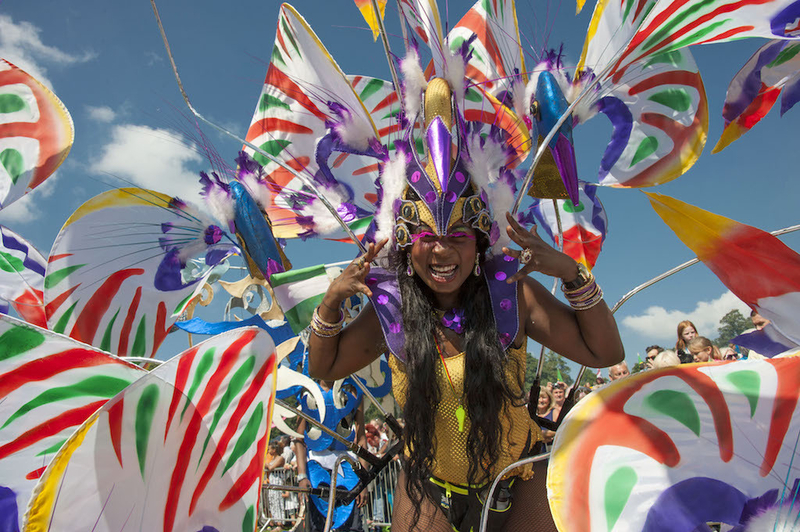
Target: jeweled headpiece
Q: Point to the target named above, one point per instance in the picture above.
(441, 193)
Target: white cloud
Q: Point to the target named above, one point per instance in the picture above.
(660, 325)
(21, 44)
(151, 158)
(102, 113)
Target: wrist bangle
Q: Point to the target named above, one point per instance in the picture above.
(324, 329)
(301, 477)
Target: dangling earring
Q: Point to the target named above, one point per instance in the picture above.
(410, 267)
(477, 270)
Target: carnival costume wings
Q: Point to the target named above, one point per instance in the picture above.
(338, 156)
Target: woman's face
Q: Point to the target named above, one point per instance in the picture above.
(444, 263)
(702, 355)
(544, 402)
(688, 333)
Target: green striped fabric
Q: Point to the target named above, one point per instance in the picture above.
(298, 292)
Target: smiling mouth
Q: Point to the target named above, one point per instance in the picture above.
(443, 273)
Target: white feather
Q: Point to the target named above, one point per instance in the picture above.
(393, 181)
(257, 189)
(324, 222)
(501, 199)
(518, 98)
(414, 83)
(773, 519)
(220, 204)
(355, 131)
(586, 108)
(454, 72)
(483, 167)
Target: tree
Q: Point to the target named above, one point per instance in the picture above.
(732, 325)
(553, 364)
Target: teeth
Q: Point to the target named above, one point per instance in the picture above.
(444, 270)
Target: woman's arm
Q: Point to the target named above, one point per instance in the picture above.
(336, 356)
(589, 337)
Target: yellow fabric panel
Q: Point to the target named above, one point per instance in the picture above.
(450, 461)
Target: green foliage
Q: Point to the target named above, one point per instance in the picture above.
(639, 366)
(589, 377)
(732, 325)
(552, 365)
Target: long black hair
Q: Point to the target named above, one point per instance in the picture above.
(487, 390)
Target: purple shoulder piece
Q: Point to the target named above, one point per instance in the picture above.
(386, 301)
(503, 295)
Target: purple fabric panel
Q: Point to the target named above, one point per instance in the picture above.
(751, 83)
(503, 295)
(564, 155)
(388, 306)
(168, 274)
(790, 96)
(692, 503)
(12, 243)
(622, 121)
(786, 18)
(599, 218)
(768, 341)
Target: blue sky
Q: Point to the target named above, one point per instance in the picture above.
(106, 62)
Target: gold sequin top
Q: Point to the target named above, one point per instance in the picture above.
(519, 431)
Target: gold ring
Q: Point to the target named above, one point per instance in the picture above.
(525, 256)
(360, 262)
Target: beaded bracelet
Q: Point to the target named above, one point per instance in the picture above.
(585, 297)
(325, 329)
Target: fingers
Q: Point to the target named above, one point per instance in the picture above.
(372, 251)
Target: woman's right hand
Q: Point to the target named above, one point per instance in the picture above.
(350, 282)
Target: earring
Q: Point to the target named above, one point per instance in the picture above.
(410, 267)
(477, 270)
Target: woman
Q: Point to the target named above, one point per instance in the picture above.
(274, 463)
(455, 307)
(702, 350)
(544, 407)
(686, 332)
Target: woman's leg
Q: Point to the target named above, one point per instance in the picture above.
(431, 517)
(530, 510)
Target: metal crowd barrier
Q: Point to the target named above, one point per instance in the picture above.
(285, 510)
(377, 514)
(278, 509)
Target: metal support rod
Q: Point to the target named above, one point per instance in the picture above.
(387, 49)
(676, 269)
(390, 419)
(143, 360)
(351, 446)
(334, 477)
(488, 501)
(306, 181)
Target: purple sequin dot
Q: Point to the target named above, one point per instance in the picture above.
(415, 176)
(394, 328)
(508, 258)
(505, 338)
(500, 276)
(383, 299)
(460, 177)
(371, 281)
(430, 197)
(505, 304)
(451, 197)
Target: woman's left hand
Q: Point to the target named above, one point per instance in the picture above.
(543, 257)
